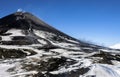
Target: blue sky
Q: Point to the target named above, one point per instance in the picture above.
(93, 20)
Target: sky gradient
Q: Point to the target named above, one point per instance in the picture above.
(93, 20)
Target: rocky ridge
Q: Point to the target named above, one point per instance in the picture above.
(31, 48)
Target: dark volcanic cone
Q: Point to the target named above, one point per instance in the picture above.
(31, 48)
(27, 21)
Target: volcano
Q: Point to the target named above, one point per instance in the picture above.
(31, 48)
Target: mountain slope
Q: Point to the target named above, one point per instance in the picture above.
(31, 48)
(116, 46)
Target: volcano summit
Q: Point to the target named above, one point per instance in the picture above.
(31, 48)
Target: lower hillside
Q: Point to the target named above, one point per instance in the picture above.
(31, 48)
(59, 59)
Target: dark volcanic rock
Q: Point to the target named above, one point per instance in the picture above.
(31, 48)
(15, 53)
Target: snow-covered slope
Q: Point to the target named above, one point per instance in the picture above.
(116, 46)
(31, 48)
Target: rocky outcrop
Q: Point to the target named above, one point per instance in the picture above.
(31, 48)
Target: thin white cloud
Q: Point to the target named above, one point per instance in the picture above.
(19, 10)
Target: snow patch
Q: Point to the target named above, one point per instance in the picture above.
(40, 33)
(116, 46)
(25, 73)
(3, 70)
(15, 32)
(6, 38)
(102, 70)
(42, 41)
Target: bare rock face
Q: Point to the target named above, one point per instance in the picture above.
(31, 48)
